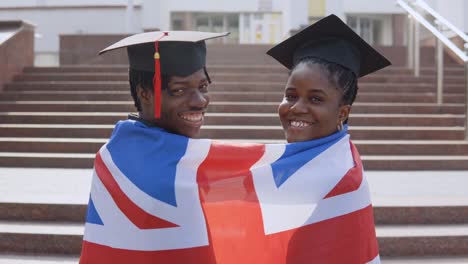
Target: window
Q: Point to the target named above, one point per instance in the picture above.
(177, 24)
(370, 29)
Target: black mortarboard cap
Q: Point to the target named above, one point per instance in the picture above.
(181, 52)
(173, 53)
(330, 39)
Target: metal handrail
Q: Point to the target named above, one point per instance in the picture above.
(413, 48)
(444, 21)
(419, 18)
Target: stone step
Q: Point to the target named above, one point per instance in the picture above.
(458, 79)
(234, 132)
(221, 96)
(381, 162)
(24, 212)
(225, 77)
(41, 237)
(366, 147)
(225, 107)
(224, 68)
(46, 160)
(212, 68)
(423, 240)
(230, 118)
(383, 215)
(412, 147)
(66, 239)
(38, 259)
(237, 86)
(86, 77)
(415, 163)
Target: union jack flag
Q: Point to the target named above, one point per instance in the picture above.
(157, 197)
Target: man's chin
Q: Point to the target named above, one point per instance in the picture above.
(191, 132)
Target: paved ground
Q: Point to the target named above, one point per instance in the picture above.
(388, 188)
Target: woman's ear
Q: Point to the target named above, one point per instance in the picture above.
(343, 113)
(144, 95)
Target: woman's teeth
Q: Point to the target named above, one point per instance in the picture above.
(299, 124)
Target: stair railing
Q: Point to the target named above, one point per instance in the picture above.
(417, 11)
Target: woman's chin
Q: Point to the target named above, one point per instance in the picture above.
(293, 137)
(297, 135)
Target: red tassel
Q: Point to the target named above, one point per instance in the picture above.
(157, 78)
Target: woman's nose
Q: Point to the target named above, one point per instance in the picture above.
(299, 107)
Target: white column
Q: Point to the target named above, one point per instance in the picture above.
(129, 29)
(295, 15)
(410, 42)
(156, 14)
(417, 49)
(241, 28)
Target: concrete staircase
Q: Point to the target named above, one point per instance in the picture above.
(58, 117)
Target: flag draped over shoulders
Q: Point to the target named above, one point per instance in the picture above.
(157, 197)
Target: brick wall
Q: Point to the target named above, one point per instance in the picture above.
(16, 52)
(83, 49)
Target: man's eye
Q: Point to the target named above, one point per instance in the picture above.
(177, 91)
(203, 87)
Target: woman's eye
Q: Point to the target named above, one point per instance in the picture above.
(315, 99)
(290, 97)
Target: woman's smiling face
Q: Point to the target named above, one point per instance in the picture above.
(312, 106)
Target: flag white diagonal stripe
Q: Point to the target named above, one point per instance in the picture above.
(126, 236)
(300, 194)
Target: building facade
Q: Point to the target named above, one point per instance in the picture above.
(249, 21)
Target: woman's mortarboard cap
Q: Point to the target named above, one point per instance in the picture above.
(330, 39)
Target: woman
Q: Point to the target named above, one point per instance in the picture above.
(325, 60)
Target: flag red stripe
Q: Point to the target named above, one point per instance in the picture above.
(135, 214)
(99, 254)
(230, 204)
(353, 178)
(346, 239)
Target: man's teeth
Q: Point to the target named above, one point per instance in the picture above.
(192, 117)
(299, 123)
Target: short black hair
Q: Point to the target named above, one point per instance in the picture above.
(341, 77)
(144, 79)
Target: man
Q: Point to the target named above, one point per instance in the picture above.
(182, 96)
(169, 85)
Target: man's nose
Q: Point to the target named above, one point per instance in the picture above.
(199, 99)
